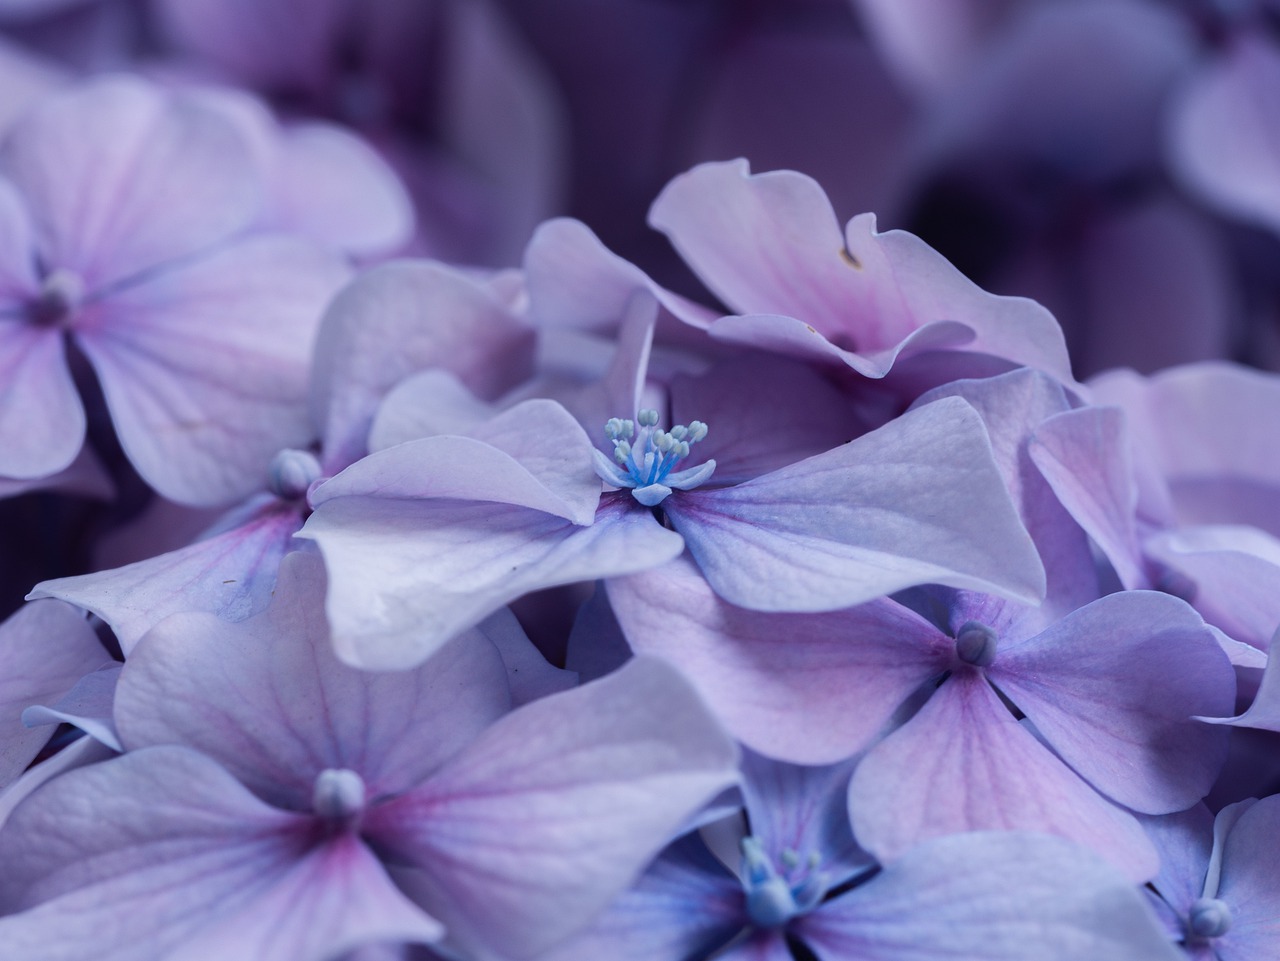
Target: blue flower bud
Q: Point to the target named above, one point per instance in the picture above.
(976, 644)
(291, 473)
(1209, 918)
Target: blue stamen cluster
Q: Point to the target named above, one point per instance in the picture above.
(776, 896)
(646, 458)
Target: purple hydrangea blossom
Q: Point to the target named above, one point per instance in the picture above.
(1172, 491)
(261, 772)
(825, 532)
(122, 224)
(802, 880)
(770, 246)
(1217, 886)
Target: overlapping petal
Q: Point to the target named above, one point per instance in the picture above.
(1114, 688)
(917, 501)
(205, 366)
(988, 896)
(45, 648)
(964, 764)
(810, 688)
(231, 574)
(179, 861)
(120, 177)
(554, 810)
(769, 244)
(398, 319)
(268, 699)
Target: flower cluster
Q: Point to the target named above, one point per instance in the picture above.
(417, 577)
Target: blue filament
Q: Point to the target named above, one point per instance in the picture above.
(646, 458)
(775, 896)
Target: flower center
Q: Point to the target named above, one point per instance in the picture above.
(646, 458)
(60, 296)
(976, 644)
(1209, 918)
(291, 473)
(776, 893)
(338, 796)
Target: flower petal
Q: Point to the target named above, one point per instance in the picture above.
(395, 320)
(550, 814)
(407, 575)
(1113, 688)
(120, 177)
(230, 574)
(180, 858)
(783, 684)
(964, 764)
(917, 501)
(991, 896)
(45, 648)
(205, 366)
(268, 699)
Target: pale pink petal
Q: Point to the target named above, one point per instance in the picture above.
(523, 840)
(770, 244)
(767, 243)
(575, 281)
(796, 338)
(807, 688)
(270, 701)
(205, 367)
(1113, 688)
(120, 177)
(398, 319)
(181, 858)
(405, 576)
(231, 575)
(45, 648)
(964, 764)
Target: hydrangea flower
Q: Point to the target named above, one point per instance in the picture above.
(263, 777)
(123, 219)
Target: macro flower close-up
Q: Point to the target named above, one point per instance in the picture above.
(566, 480)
